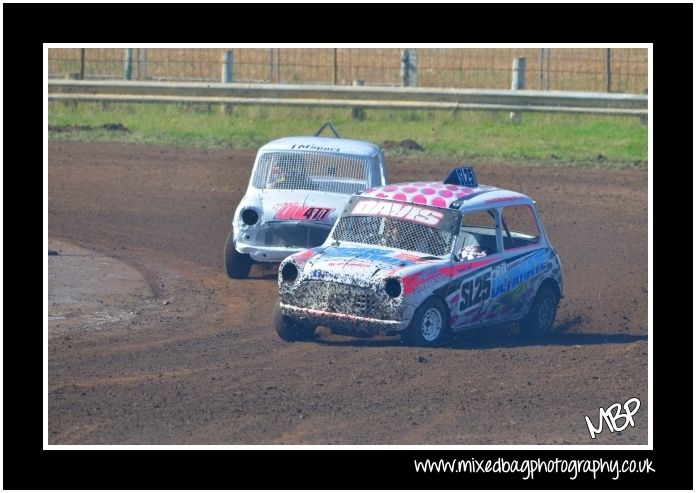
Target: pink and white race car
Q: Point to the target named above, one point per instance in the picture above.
(424, 259)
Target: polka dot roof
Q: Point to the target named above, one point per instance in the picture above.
(436, 193)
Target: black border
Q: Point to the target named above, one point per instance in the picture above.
(372, 469)
(322, 469)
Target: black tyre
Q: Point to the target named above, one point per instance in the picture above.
(288, 329)
(237, 264)
(429, 325)
(542, 314)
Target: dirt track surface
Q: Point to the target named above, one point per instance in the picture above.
(208, 368)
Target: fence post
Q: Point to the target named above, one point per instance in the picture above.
(144, 63)
(82, 63)
(227, 75)
(335, 67)
(644, 118)
(270, 65)
(227, 64)
(358, 113)
(544, 70)
(128, 64)
(69, 103)
(608, 69)
(413, 67)
(519, 66)
(277, 65)
(409, 67)
(404, 67)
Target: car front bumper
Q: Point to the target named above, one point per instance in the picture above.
(266, 254)
(275, 240)
(343, 321)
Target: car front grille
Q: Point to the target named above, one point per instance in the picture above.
(339, 298)
(293, 235)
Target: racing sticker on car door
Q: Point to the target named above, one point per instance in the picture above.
(515, 284)
(499, 292)
(475, 290)
(472, 297)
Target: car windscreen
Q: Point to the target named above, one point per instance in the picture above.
(302, 170)
(393, 224)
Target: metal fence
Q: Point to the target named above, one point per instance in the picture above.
(577, 69)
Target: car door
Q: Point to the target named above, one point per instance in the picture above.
(479, 246)
(525, 253)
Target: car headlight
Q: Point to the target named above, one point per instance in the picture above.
(289, 273)
(392, 287)
(250, 217)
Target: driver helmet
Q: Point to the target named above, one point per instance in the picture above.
(286, 168)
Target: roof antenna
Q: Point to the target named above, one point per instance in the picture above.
(330, 125)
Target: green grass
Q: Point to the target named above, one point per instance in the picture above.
(487, 136)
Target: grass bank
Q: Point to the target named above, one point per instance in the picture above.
(540, 139)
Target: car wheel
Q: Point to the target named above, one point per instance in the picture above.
(237, 264)
(288, 329)
(542, 314)
(429, 324)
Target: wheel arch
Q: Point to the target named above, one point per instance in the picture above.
(551, 283)
(448, 314)
(413, 334)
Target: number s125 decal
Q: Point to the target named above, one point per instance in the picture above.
(475, 290)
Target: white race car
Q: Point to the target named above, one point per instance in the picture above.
(298, 188)
(424, 259)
